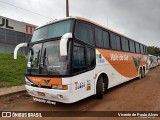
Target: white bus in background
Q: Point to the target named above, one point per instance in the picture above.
(153, 61)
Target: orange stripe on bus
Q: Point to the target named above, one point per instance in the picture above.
(128, 67)
(46, 81)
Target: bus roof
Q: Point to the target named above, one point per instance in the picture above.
(86, 20)
(54, 21)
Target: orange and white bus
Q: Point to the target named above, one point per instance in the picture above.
(74, 58)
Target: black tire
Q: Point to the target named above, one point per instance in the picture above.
(143, 74)
(140, 74)
(105, 89)
(99, 88)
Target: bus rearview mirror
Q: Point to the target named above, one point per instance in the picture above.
(63, 43)
(17, 48)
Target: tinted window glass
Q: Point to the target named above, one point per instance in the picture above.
(125, 44)
(105, 39)
(78, 58)
(98, 37)
(55, 63)
(137, 48)
(115, 42)
(90, 57)
(60, 28)
(102, 38)
(118, 42)
(142, 49)
(132, 46)
(84, 32)
(36, 57)
(53, 30)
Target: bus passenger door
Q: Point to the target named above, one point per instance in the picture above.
(83, 65)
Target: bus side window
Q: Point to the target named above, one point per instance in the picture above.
(115, 41)
(84, 32)
(106, 40)
(98, 37)
(132, 46)
(79, 63)
(125, 44)
(142, 50)
(137, 48)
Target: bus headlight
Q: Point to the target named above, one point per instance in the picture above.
(60, 87)
(54, 87)
(28, 83)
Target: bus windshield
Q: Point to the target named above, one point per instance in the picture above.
(53, 30)
(46, 60)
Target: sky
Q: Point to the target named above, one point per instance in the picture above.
(137, 19)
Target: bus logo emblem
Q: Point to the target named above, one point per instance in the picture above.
(47, 81)
(137, 62)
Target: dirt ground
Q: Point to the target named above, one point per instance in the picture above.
(135, 95)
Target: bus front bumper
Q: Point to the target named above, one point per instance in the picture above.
(64, 96)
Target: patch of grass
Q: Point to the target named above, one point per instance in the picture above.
(12, 71)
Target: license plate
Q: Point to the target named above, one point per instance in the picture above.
(41, 94)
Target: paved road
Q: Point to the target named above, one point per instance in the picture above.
(135, 95)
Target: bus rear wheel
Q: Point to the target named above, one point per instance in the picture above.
(99, 88)
(143, 73)
(140, 74)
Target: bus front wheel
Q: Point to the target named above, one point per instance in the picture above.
(99, 88)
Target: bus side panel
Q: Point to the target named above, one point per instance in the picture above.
(114, 76)
(119, 66)
(83, 85)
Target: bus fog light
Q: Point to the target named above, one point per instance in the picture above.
(61, 96)
(63, 87)
(28, 83)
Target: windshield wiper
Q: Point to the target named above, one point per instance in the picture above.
(31, 59)
(34, 63)
(45, 62)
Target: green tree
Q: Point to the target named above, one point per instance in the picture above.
(154, 50)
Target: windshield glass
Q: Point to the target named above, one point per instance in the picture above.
(46, 60)
(56, 29)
